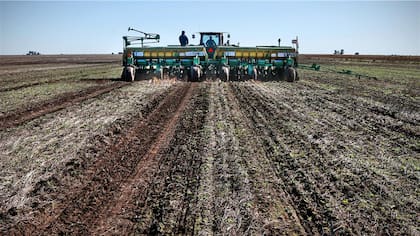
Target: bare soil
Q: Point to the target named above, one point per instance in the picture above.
(330, 154)
(32, 111)
(12, 60)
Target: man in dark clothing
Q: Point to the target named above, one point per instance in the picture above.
(211, 42)
(183, 39)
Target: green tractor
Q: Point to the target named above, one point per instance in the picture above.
(211, 59)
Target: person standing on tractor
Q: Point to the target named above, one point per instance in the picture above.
(183, 39)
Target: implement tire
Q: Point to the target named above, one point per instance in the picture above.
(291, 74)
(195, 74)
(128, 74)
(225, 71)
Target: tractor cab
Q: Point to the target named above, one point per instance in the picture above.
(211, 40)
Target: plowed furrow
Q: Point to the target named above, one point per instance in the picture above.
(386, 116)
(352, 125)
(109, 165)
(264, 210)
(357, 88)
(119, 212)
(168, 206)
(114, 166)
(320, 177)
(307, 197)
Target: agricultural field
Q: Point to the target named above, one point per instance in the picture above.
(82, 153)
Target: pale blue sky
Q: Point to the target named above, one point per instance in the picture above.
(97, 27)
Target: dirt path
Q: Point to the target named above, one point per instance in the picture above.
(23, 115)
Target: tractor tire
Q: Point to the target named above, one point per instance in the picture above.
(225, 74)
(255, 74)
(128, 74)
(291, 74)
(195, 74)
(182, 75)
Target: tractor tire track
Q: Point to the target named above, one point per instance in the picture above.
(168, 205)
(102, 169)
(114, 165)
(29, 113)
(116, 213)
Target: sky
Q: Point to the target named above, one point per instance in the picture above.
(84, 27)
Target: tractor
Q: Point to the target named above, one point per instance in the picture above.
(211, 59)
